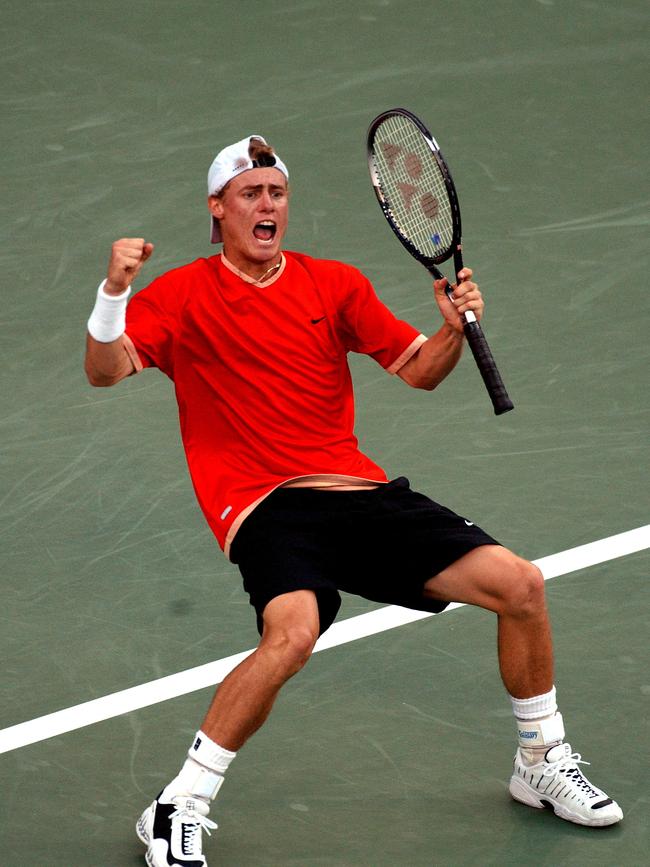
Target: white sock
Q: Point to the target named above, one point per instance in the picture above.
(539, 725)
(535, 707)
(203, 772)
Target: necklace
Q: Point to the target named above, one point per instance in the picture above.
(266, 274)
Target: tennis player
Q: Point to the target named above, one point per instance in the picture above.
(256, 341)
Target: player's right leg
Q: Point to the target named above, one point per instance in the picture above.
(172, 825)
(246, 696)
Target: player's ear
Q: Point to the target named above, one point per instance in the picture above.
(215, 206)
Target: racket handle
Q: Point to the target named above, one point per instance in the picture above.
(487, 367)
(479, 346)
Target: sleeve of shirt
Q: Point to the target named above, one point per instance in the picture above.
(369, 327)
(151, 325)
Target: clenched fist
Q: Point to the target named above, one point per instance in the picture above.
(128, 255)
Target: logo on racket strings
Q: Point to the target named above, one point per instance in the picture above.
(396, 157)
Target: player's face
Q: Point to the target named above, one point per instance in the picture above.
(253, 214)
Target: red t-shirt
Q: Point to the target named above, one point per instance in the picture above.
(261, 376)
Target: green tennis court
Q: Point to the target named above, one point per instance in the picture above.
(392, 750)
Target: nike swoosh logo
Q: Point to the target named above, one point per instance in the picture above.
(470, 523)
(316, 321)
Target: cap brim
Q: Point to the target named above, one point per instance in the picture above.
(215, 232)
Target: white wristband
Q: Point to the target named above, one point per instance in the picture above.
(108, 319)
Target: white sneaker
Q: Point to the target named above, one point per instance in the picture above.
(172, 832)
(558, 783)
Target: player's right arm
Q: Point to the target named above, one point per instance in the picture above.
(107, 361)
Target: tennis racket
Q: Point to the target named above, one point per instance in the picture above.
(417, 195)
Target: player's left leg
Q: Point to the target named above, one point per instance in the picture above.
(546, 771)
(492, 577)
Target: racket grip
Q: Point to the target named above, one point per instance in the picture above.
(487, 367)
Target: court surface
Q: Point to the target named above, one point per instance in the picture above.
(394, 749)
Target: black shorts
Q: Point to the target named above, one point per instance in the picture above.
(383, 544)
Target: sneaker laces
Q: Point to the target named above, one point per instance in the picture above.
(192, 823)
(568, 765)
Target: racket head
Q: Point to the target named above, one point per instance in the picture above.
(414, 186)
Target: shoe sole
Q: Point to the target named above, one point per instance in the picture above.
(141, 828)
(148, 855)
(525, 795)
(144, 838)
(143, 835)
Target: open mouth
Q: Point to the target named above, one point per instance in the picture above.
(265, 231)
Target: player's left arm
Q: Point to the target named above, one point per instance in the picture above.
(438, 356)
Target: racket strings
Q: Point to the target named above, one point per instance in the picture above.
(413, 186)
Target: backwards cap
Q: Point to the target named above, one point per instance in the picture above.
(232, 161)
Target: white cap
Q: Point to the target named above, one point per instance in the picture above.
(229, 163)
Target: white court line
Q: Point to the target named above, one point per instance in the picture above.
(352, 629)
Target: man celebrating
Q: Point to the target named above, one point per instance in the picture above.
(256, 342)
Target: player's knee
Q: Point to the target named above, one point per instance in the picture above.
(300, 642)
(292, 645)
(526, 589)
